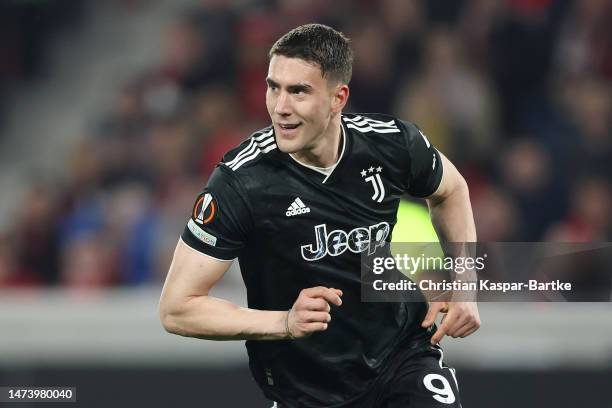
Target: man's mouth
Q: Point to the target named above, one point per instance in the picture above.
(288, 126)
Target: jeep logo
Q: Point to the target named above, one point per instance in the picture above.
(336, 242)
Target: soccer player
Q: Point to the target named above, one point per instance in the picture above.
(298, 203)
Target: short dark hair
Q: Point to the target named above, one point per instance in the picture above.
(319, 44)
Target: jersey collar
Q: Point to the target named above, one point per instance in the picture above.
(327, 172)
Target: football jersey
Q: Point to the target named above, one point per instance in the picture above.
(293, 227)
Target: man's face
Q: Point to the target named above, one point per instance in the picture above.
(299, 102)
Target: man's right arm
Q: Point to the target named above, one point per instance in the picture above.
(187, 309)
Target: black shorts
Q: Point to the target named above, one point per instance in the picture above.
(416, 378)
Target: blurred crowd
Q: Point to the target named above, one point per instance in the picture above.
(516, 93)
(26, 30)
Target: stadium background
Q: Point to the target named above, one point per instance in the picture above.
(113, 114)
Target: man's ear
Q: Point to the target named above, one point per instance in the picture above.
(339, 98)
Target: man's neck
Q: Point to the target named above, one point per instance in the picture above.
(327, 148)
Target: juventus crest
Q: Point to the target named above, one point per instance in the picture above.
(372, 175)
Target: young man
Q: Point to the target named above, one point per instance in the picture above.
(298, 203)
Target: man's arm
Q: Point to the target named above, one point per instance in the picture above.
(450, 208)
(451, 216)
(186, 308)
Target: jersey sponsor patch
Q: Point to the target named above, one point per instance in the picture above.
(205, 209)
(335, 243)
(200, 234)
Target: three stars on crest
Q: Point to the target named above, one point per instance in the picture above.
(370, 170)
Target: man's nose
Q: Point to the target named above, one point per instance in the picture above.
(283, 106)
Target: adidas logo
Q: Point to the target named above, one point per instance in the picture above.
(297, 207)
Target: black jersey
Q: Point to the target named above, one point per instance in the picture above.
(293, 227)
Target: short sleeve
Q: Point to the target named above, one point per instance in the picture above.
(423, 172)
(220, 220)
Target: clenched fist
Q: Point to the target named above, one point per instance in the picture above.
(461, 319)
(311, 311)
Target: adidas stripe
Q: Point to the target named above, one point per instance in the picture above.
(364, 124)
(262, 143)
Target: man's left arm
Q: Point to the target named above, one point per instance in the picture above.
(451, 216)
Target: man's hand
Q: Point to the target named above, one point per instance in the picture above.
(311, 311)
(461, 319)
